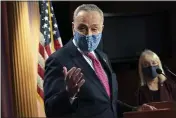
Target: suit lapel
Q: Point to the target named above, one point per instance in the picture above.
(86, 68)
(104, 60)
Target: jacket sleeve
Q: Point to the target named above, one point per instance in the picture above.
(56, 98)
(123, 107)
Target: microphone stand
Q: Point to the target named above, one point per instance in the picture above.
(170, 71)
(159, 71)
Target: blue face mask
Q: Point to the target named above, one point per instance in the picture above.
(150, 72)
(87, 43)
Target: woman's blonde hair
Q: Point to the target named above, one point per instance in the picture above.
(155, 57)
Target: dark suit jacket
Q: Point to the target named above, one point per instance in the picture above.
(167, 92)
(92, 100)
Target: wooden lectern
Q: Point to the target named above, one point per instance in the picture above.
(165, 110)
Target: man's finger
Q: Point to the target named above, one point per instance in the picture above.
(75, 75)
(70, 72)
(77, 71)
(65, 70)
(78, 81)
(81, 83)
(78, 78)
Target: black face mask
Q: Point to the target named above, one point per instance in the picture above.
(150, 72)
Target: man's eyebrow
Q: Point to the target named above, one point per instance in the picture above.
(85, 25)
(94, 25)
(82, 24)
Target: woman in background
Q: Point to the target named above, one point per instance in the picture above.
(154, 87)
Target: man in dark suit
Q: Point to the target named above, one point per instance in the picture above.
(79, 81)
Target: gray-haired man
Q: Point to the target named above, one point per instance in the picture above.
(79, 81)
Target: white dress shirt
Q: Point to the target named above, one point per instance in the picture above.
(89, 61)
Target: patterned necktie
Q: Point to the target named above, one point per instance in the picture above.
(100, 72)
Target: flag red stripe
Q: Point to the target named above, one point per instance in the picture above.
(41, 71)
(48, 50)
(40, 92)
(41, 50)
(57, 45)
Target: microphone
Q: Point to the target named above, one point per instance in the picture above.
(169, 71)
(159, 71)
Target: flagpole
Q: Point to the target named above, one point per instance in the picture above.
(51, 28)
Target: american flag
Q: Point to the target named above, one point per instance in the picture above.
(50, 40)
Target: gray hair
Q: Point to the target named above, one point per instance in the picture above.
(88, 7)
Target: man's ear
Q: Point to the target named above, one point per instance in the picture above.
(102, 28)
(73, 28)
(72, 25)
